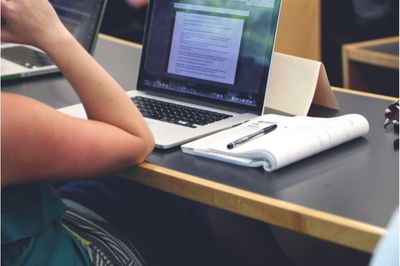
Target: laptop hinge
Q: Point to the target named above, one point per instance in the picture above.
(201, 102)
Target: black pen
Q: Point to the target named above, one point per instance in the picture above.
(263, 131)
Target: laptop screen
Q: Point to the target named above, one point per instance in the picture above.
(210, 49)
(81, 18)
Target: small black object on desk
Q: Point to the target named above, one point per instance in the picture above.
(396, 144)
(245, 139)
(392, 114)
(392, 117)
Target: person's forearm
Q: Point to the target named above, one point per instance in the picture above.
(104, 100)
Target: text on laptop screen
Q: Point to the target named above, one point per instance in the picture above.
(80, 18)
(212, 49)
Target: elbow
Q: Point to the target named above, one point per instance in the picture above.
(141, 151)
(148, 148)
(132, 151)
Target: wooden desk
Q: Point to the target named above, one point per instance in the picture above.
(372, 66)
(314, 197)
(345, 195)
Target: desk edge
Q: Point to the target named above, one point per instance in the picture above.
(120, 41)
(365, 94)
(326, 226)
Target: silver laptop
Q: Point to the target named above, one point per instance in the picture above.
(82, 19)
(204, 66)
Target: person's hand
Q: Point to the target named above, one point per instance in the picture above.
(137, 3)
(30, 22)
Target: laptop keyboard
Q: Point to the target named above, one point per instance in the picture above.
(25, 56)
(175, 113)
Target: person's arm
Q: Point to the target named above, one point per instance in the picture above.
(38, 142)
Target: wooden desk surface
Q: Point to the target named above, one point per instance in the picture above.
(342, 195)
(345, 195)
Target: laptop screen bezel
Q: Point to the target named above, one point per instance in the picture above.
(258, 109)
(95, 33)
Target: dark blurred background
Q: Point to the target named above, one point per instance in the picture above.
(348, 21)
(123, 21)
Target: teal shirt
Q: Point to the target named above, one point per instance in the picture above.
(31, 231)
